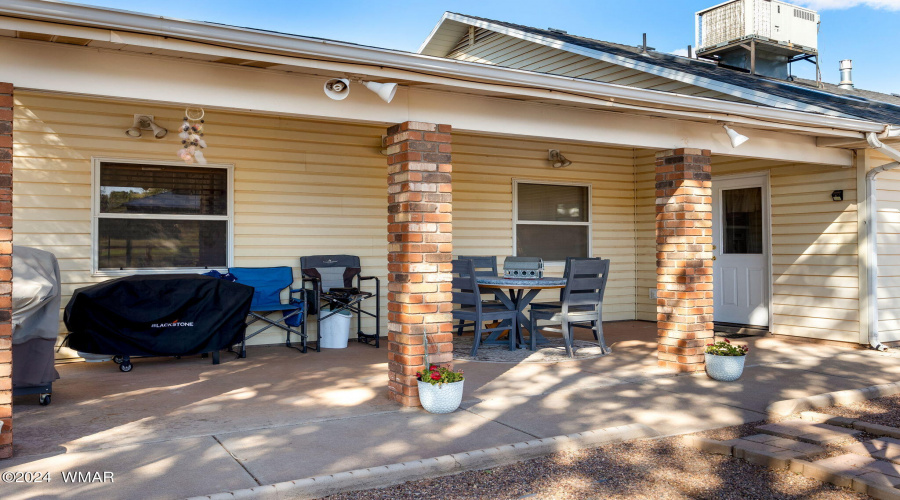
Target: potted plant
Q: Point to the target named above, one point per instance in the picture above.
(440, 389)
(725, 361)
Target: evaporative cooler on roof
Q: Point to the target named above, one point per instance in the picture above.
(761, 36)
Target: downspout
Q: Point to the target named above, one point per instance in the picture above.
(872, 231)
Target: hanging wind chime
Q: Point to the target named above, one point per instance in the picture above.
(192, 136)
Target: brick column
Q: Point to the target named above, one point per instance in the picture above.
(6, 112)
(419, 253)
(684, 305)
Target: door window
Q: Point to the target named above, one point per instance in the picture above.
(742, 219)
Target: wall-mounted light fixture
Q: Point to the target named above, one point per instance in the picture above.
(385, 91)
(837, 195)
(557, 158)
(145, 122)
(339, 88)
(735, 138)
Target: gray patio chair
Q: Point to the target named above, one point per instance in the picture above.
(558, 303)
(467, 295)
(582, 303)
(485, 265)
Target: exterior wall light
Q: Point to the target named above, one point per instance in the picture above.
(837, 195)
(339, 88)
(557, 158)
(735, 138)
(145, 122)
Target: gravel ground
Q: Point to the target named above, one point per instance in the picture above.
(653, 469)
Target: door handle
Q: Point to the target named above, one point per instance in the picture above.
(714, 257)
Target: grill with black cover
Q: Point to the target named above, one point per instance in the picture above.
(158, 315)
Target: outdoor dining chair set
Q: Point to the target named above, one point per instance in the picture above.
(331, 284)
(580, 303)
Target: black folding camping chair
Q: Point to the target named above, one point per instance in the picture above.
(332, 279)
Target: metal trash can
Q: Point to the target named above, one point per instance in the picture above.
(335, 330)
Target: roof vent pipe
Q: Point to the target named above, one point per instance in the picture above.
(846, 77)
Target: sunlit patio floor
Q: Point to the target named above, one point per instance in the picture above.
(181, 427)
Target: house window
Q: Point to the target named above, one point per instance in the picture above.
(552, 221)
(150, 216)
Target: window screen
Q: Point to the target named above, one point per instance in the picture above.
(161, 217)
(553, 221)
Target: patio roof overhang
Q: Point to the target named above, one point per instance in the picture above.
(114, 31)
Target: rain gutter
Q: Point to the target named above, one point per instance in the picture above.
(871, 224)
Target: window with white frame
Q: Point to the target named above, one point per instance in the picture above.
(156, 216)
(552, 221)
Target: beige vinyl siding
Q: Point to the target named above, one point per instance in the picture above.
(300, 187)
(512, 52)
(814, 245)
(483, 173)
(814, 253)
(888, 200)
(305, 187)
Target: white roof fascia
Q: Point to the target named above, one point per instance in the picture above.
(383, 61)
(437, 27)
(725, 88)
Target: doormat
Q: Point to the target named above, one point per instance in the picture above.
(736, 335)
(552, 352)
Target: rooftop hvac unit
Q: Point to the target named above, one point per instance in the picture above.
(763, 35)
(768, 20)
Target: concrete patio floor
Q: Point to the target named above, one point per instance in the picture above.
(177, 428)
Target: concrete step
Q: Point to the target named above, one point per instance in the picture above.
(771, 451)
(809, 432)
(850, 471)
(885, 448)
(866, 469)
(803, 449)
(865, 474)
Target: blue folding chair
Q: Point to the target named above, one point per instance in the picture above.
(268, 283)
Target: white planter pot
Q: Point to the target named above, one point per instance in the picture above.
(443, 398)
(724, 368)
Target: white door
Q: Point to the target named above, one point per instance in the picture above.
(740, 251)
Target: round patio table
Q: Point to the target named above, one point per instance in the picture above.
(521, 293)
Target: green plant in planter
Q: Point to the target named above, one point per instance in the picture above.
(437, 375)
(724, 347)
